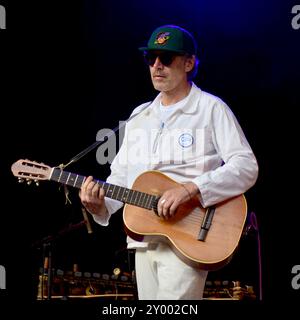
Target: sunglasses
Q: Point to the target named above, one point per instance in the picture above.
(166, 58)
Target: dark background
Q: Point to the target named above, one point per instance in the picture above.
(70, 68)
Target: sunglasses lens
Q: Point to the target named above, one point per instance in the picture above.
(166, 58)
(150, 58)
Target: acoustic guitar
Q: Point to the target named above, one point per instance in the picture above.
(204, 238)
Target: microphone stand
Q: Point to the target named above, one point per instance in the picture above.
(253, 224)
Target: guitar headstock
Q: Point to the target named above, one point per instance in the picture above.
(30, 171)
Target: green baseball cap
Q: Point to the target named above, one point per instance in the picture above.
(171, 38)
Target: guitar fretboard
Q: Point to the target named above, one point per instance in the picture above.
(130, 196)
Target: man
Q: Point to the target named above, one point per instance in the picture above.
(192, 137)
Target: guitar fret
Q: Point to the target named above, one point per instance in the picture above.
(122, 196)
(80, 183)
(100, 183)
(125, 198)
(148, 202)
(143, 200)
(140, 196)
(108, 191)
(106, 188)
(60, 175)
(68, 177)
(71, 179)
(153, 203)
(134, 196)
(103, 186)
(130, 196)
(64, 177)
(137, 198)
(75, 180)
(113, 192)
(117, 195)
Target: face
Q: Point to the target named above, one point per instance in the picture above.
(169, 73)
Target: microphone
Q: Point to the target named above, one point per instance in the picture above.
(86, 220)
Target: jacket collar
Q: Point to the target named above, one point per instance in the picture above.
(188, 108)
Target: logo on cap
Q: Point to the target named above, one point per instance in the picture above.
(162, 38)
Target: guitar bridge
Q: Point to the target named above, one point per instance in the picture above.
(206, 223)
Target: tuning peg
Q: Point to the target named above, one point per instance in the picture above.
(29, 181)
(37, 183)
(20, 180)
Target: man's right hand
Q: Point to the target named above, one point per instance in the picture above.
(92, 197)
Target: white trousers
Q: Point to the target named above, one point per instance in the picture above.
(161, 275)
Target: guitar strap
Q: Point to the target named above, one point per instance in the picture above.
(102, 139)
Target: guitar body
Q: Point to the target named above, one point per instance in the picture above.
(182, 231)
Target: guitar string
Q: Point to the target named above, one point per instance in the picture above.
(152, 203)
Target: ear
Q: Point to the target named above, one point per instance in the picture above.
(189, 63)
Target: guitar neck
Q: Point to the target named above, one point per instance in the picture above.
(130, 196)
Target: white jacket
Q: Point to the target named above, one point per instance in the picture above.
(200, 142)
